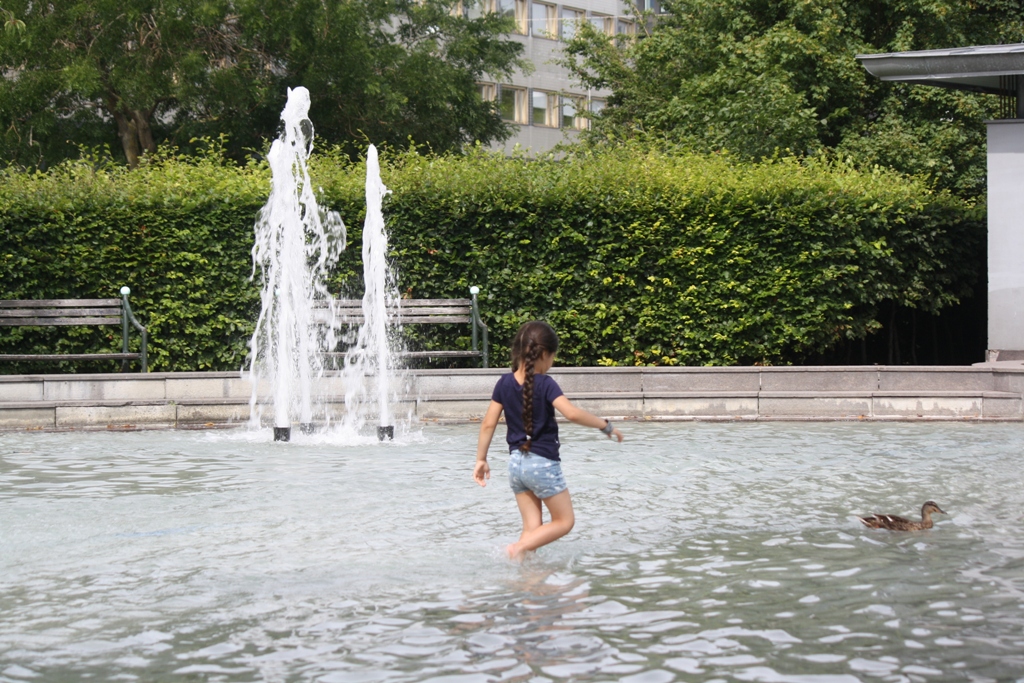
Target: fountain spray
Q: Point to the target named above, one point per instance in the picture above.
(369, 373)
(375, 245)
(296, 244)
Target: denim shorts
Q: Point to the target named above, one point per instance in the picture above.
(529, 472)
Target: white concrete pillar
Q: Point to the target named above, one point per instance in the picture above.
(1006, 240)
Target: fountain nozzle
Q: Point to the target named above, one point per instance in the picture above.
(282, 433)
(386, 432)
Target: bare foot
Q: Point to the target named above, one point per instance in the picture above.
(513, 552)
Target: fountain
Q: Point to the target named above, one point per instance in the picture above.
(296, 243)
(369, 365)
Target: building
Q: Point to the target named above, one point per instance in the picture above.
(996, 70)
(545, 106)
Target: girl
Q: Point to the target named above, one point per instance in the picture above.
(529, 398)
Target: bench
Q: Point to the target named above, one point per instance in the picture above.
(74, 312)
(426, 312)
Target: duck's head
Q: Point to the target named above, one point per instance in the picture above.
(931, 506)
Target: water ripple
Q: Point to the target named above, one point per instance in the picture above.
(701, 551)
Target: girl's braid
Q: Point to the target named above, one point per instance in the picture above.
(530, 355)
(531, 341)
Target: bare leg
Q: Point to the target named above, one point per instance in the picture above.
(530, 509)
(562, 521)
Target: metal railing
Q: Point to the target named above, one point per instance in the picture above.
(128, 317)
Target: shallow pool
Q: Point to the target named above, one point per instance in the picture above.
(712, 552)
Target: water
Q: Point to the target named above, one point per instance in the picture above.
(296, 243)
(711, 552)
(371, 374)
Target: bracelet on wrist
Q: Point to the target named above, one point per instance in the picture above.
(608, 427)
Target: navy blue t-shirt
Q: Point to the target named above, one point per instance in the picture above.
(509, 393)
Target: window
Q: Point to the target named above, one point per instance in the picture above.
(624, 28)
(571, 106)
(504, 7)
(512, 104)
(596, 106)
(603, 24)
(516, 9)
(571, 18)
(650, 6)
(487, 91)
(545, 20)
(545, 109)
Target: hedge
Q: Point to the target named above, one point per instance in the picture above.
(635, 256)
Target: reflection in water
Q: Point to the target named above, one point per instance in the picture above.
(701, 552)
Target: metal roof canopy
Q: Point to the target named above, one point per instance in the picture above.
(990, 69)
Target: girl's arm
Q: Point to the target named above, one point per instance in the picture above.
(582, 417)
(482, 471)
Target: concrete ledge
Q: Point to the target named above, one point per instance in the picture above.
(22, 391)
(123, 416)
(819, 379)
(703, 381)
(807, 404)
(619, 407)
(932, 406)
(989, 392)
(728, 406)
(28, 418)
(1001, 407)
(210, 414)
(934, 379)
(107, 389)
(195, 387)
(448, 383)
(580, 380)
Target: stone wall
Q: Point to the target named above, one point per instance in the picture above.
(217, 399)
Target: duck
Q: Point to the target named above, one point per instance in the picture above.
(895, 523)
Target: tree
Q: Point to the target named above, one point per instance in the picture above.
(756, 76)
(84, 66)
(135, 73)
(389, 71)
(11, 23)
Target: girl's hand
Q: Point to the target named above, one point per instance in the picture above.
(616, 434)
(482, 472)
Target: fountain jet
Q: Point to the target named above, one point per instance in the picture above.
(296, 244)
(369, 365)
